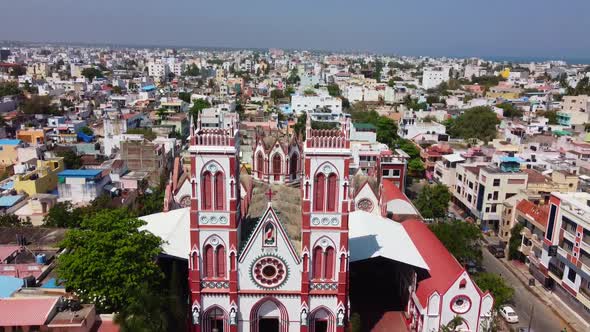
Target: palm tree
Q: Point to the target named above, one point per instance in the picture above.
(452, 325)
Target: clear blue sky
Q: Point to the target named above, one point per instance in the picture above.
(525, 28)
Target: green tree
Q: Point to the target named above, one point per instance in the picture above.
(452, 325)
(277, 94)
(12, 220)
(86, 130)
(299, 126)
(39, 105)
(550, 115)
(510, 111)
(117, 90)
(515, 241)
(356, 324)
(192, 70)
(496, 285)
(71, 159)
(146, 132)
(334, 90)
(198, 106)
(415, 167)
(433, 201)
(9, 89)
(477, 122)
(162, 113)
(185, 96)
(150, 311)
(63, 215)
(108, 259)
(462, 239)
(91, 73)
(293, 77)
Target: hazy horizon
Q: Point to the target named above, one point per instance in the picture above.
(458, 28)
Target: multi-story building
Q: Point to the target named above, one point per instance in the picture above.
(82, 185)
(534, 220)
(433, 77)
(158, 69)
(481, 190)
(574, 110)
(42, 179)
(8, 151)
(432, 154)
(302, 103)
(565, 260)
(141, 155)
(445, 169)
(32, 136)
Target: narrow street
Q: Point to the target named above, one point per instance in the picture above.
(544, 319)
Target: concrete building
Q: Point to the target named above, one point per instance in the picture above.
(41, 180)
(574, 111)
(565, 260)
(481, 190)
(303, 103)
(82, 185)
(433, 77)
(8, 151)
(145, 156)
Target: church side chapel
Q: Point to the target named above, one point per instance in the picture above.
(267, 254)
(276, 159)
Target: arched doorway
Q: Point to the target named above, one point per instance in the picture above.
(276, 166)
(215, 320)
(322, 320)
(269, 315)
(293, 165)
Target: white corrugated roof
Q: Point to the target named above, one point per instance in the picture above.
(454, 157)
(173, 227)
(373, 236)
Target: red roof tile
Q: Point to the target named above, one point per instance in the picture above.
(26, 311)
(391, 192)
(537, 212)
(444, 269)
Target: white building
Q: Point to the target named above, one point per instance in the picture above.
(302, 103)
(433, 77)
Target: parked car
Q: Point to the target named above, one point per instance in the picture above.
(496, 250)
(508, 314)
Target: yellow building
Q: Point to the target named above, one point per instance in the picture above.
(42, 180)
(32, 136)
(8, 153)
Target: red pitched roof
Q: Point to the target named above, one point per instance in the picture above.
(26, 311)
(538, 213)
(391, 192)
(444, 269)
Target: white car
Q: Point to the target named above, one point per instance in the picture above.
(509, 314)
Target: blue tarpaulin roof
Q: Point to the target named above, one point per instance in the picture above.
(9, 285)
(6, 141)
(7, 186)
(7, 201)
(148, 88)
(511, 160)
(80, 173)
(51, 283)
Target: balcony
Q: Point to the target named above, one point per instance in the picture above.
(526, 250)
(585, 291)
(526, 233)
(556, 271)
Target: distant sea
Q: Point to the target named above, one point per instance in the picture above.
(517, 59)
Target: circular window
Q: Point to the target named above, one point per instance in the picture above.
(269, 272)
(365, 204)
(460, 304)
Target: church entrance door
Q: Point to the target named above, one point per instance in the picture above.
(268, 325)
(321, 326)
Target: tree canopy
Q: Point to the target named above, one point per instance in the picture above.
(477, 122)
(494, 283)
(510, 111)
(71, 159)
(9, 89)
(12, 220)
(462, 239)
(334, 90)
(433, 201)
(185, 96)
(192, 70)
(39, 105)
(91, 73)
(108, 259)
(198, 106)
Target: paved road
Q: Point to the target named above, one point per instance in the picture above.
(544, 319)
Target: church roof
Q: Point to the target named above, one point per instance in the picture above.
(172, 227)
(444, 268)
(373, 236)
(286, 202)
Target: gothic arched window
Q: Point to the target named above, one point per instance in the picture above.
(319, 192)
(209, 262)
(329, 264)
(332, 192)
(219, 191)
(206, 196)
(317, 262)
(220, 262)
(260, 163)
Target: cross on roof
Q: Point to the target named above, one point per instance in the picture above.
(269, 194)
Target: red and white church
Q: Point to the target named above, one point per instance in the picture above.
(263, 277)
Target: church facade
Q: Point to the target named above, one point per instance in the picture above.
(263, 281)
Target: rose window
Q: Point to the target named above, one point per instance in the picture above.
(461, 304)
(269, 272)
(365, 205)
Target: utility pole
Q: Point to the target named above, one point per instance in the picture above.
(531, 319)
